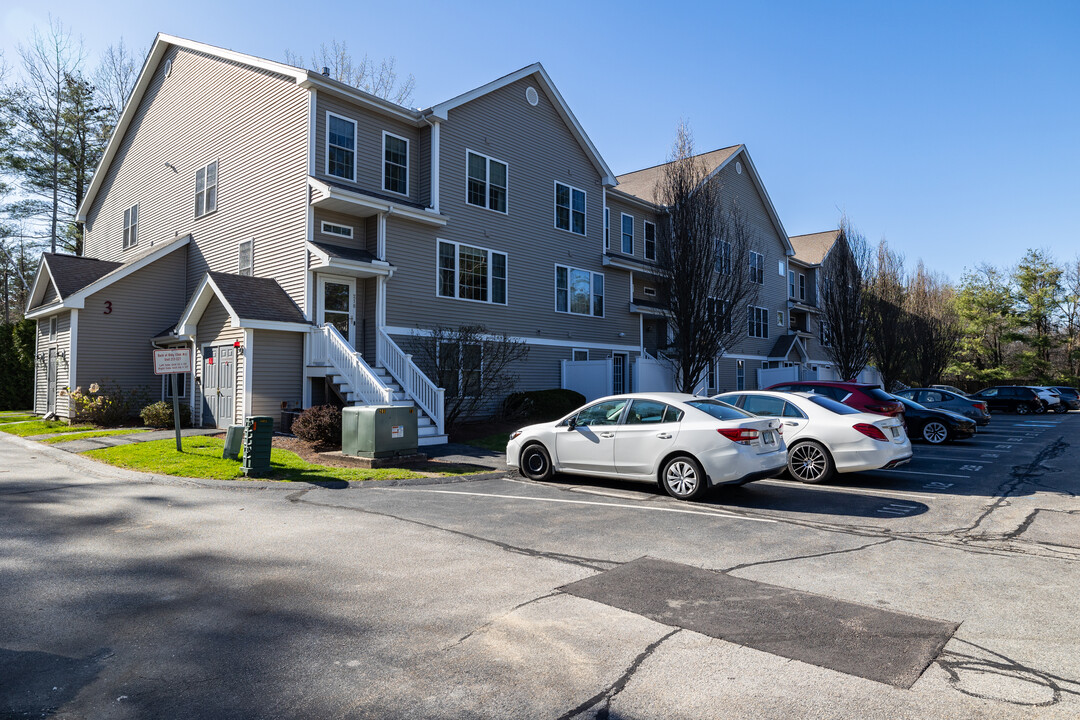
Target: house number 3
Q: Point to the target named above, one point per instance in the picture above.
(108, 308)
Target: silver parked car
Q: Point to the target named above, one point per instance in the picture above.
(940, 399)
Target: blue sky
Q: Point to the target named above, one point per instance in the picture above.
(951, 129)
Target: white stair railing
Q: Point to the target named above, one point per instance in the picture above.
(417, 385)
(329, 347)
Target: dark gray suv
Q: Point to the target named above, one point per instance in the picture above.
(1011, 398)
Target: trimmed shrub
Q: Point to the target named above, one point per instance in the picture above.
(320, 424)
(160, 415)
(105, 405)
(542, 405)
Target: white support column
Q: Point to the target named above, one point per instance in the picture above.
(380, 302)
(73, 343)
(435, 165)
(249, 347)
(380, 237)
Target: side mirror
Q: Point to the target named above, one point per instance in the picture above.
(571, 423)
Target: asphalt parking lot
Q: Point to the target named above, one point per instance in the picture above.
(944, 588)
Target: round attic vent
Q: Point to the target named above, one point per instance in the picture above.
(531, 96)
(168, 67)
(738, 167)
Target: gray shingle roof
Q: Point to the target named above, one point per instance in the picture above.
(72, 273)
(813, 247)
(783, 346)
(345, 253)
(642, 183)
(255, 298)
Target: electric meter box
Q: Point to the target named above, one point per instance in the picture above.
(377, 431)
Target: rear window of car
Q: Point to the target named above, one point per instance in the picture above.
(764, 405)
(830, 404)
(879, 394)
(719, 410)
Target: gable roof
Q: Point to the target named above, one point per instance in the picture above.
(75, 278)
(642, 183)
(813, 248)
(784, 345)
(251, 302)
(441, 111)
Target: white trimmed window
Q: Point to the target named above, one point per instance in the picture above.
(757, 322)
(780, 318)
(342, 231)
(825, 335)
(579, 292)
(471, 273)
(340, 147)
(720, 318)
(723, 257)
(791, 283)
(581, 355)
(650, 241)
(802, 286)
(131, 227)
(52, 329)
(740, 374)
(395, 164)
(628, 234)
(569, 208)
(607, 228)
(486, 182)
(649, 291)
(245, 257)
(463, 365)
(206, 182)
(181, 386)
(757, 268)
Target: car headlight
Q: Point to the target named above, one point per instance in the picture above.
(514, 434)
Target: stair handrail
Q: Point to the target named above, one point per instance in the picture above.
(418, 386)
(361, 378)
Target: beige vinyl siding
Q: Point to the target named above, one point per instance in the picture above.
(118, 322)
(369, 146)
(277, 366)
(214, 329)
(62, 343)
(359, 226)
(538, 149)
(254, 124)
(50, 295)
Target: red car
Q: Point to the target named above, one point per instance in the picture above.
(866, 398)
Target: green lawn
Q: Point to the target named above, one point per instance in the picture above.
(202, 459)
(43, 427)
(7, 417)
(93, 434)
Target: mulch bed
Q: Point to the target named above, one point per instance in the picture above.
(333, 458)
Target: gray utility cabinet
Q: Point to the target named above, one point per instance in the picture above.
(376, 431)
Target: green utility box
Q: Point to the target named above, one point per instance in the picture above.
(234, 437)
(376, 431)
(258, 438)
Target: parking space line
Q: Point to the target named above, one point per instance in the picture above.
(936, 458)
(836, 488)
(651, 508)
(914, 472)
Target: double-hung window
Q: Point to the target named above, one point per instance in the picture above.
(650, 241)
(569, 208)
(245, 257)
(607, 228)
(206, 181)
(628, 234)
(395, 164)
(579, 292)
(340, 147)
(723, 257)
(757, 322)
(486, 183)
(802, 287)
(791, 283)
(461, 368)
(131, 227)
(825, 335)
(757, 268)
(471, 273)
(719, 315)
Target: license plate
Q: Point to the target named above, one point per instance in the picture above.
(895, 431)
(768, 437)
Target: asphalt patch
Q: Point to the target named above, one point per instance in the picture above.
(889, 647)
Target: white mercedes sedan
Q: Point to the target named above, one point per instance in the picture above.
(826, 437)
(686, 443)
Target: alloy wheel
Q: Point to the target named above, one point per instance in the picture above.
(681, 478)
(808, 463)
(934, 432)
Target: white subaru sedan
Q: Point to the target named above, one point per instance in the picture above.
(826, 437)
(686, 443)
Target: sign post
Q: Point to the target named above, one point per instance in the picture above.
(173, 361)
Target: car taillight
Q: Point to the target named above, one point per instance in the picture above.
(883, 409)
(981, 406)
(743, 436)
(871, 431)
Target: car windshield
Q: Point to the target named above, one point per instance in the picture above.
(832, 405)
(719, 410)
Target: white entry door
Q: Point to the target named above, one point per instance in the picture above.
(337, 305)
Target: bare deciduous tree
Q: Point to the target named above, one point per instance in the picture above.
(703, 253)
(1070, 314)
(115, 77)
(935, 324)
(378, 78)
(890, 345)
(843, 302)
(475, 367)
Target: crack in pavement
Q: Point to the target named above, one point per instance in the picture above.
(742, 566)
(954, 663)
(608, 694)
(489, 623)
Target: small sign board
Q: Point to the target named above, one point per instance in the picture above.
(397, 431)
(173, 360)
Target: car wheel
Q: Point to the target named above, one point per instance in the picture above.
(535, 463)
(1040, 410)
(683, 478)
(1061, 408)
(1022, 409)
(935, 433)
(809, 462)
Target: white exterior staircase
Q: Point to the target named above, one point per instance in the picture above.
(358, 383)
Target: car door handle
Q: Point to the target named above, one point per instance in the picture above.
(664, 436)
(791, 423)
(607, 434)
